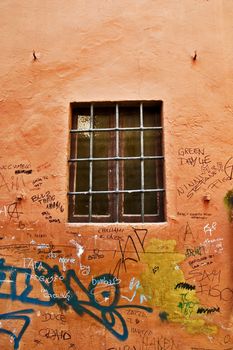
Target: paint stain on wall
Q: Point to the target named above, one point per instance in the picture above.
(177, 300)
(228, 200)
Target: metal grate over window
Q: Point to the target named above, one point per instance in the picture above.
(116, 164)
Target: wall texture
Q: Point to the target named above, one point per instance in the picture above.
(161, 286)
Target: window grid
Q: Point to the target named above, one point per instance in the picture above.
(91, 164)
(117, 158)
(142, 161)
(117, 163)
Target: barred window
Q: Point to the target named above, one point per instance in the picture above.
(116, 162)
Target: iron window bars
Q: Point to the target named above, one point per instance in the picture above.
(116, 162)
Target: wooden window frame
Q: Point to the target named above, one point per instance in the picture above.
(115, 158)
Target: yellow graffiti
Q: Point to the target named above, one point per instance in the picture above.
(162, 280)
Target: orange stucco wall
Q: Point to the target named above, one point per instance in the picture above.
(161, 286)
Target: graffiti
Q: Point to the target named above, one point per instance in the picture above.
(191, 151)
(140, 332)
(48, 216)
(203, 261)
(149, 343)
(155, 269)
(198, 215)
(228, 168)
(54, 334)
(193, 161)
(38, 182)
(202, 310)
(96, 255)
(135, 284)
(136, 313)
(195, 184)
(45, 165)
(188, 233)
(104, 280)
(27, 172)
(186, 306)
(15, 183)
(211, 276)
(200, 250)
(184, 286)
(214, 291)
(193, 156)
(130, 251)
(38, 342)
(106, 314)
(16, 315)
(207, 282)
(11, 211)
(66, 296)
(85, 269)
(65, 261)
(110, 230)
(112, 236)
(208, 229)
(55, 205)
(43, 198)
(213, 245)
(20, 166)
(47, 316)
(159, 343)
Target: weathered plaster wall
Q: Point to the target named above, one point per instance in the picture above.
(116, 287)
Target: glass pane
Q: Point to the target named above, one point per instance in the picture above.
(152, 115)
(152, 142)
(150, 202)
(73, 145)
(103, 117)
(132, 174)
(100, 175)
(132, 203)
(81, 204)
(101, 144)
(130, 143)
(129, 116)
(82, 176)
(84, 122)
(79, 115)
(83, 145)
(153, 173)
(100, 204)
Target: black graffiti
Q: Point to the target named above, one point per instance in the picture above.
(45, 198)
(184, 286)
(130, 251)
(23, 172)
(228, 168)
(96, 255)
(12, 211)
(54, 334)
(202, 310)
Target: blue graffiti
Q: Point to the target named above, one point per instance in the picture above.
(103, 289)
(16, 315)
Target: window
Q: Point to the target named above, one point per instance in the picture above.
(116, 162)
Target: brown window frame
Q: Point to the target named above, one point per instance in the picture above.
(115, 158)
